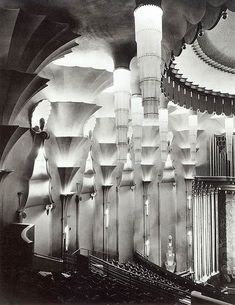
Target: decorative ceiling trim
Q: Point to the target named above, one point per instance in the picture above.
(208, 60)
(210, 19)
(186, 94)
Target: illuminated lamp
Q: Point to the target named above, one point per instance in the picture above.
(147, 247)
(121, 79)
(106, 217)
(148, 35)
(190, 238)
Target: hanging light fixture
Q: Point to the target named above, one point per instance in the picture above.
(193, 127)
(137, 114)
(121, 79)
(148, 34)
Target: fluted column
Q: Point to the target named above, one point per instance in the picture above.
(195, 256)
(216, 232)
(205, 231)
(213, 230)
(148, 35)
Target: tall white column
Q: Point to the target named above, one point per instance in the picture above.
(148, 34)
(121, 80)
(137, 110)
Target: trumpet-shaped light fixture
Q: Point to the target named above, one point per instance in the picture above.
(137, 114)
(229, 126)
(163, 127)
(148, 35)
(193, 126)
(121, 78)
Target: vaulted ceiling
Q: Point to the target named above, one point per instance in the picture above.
(110, 23)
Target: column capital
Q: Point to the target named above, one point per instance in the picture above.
(123, 54)
(148, 2)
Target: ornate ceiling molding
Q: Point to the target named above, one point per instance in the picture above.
(187, 21)
(203, 56)
(179, 90)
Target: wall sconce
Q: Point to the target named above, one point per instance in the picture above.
(48, 208)
(147, 247)
(189, 199)
(93, 195)
(106, 213)
(147, 207)
(66, 238)
(190, 238)
(133, 187)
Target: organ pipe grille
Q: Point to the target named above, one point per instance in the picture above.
(205, 231)
(220, 165)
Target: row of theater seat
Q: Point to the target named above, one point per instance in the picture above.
(185, 284)
(78, 288)
(160, 281)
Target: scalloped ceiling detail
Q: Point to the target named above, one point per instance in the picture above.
(202, 74)
(219, 43)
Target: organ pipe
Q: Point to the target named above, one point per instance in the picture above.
(205, 231)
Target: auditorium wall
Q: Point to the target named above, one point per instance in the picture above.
(168, 200)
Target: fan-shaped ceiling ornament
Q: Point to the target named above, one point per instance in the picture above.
(29, 42)
(16, 89)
